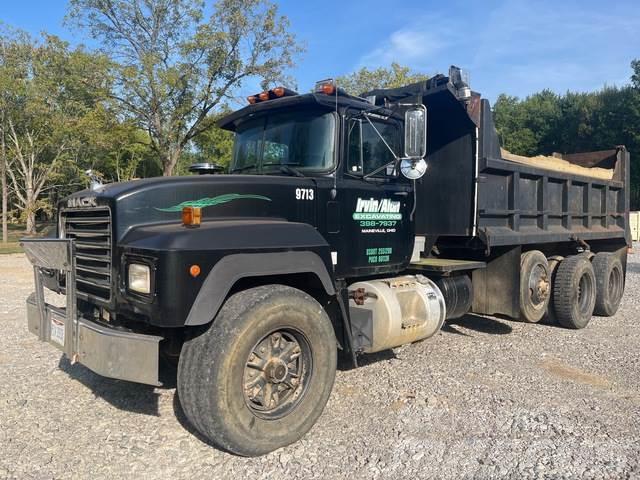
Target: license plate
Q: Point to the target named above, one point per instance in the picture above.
(57, 330)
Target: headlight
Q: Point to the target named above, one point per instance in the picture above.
(139, 278)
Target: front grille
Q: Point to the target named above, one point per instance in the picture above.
(91, 229)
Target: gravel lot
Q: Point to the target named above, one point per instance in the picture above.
(483, 398)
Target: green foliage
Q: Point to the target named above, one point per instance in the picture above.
(57, 120)
(47, 90)
(365, 80)
(635, 76)
(173, 66)
(215, 145)
(545, 123)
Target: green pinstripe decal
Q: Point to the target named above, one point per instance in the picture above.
(210, 202)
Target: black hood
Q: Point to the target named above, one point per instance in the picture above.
(160, 200)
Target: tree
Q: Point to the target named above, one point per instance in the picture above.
(635, 76)
(544, 123)
(511, 123)
(47, 89)
(114, 148)
(6, 37)
(215, 145)
(365, 80)
(3, 177)
(175, 67)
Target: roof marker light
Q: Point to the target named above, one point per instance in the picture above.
(328, 86)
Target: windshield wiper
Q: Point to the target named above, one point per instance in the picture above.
(291, 171)
(285, 168)
(241, 169)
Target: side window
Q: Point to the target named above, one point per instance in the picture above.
(366, 150)
(354, 152)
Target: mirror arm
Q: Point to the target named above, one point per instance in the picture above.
(379, 169)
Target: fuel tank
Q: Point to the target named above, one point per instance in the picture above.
(402, 309)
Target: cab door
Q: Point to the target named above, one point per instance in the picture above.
(376, 229)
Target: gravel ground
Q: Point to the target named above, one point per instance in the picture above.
(484, 398)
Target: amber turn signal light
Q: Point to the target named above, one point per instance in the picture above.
(252, 99)
(191, 216)
(264, 96)
(194, 270)
(278, 91)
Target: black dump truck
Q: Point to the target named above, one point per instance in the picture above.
(347, 225)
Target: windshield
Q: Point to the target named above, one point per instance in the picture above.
(305, 141)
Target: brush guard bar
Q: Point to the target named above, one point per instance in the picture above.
(103, 349)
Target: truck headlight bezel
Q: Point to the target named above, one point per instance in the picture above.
(139, 278)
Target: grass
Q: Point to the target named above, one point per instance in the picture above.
(16, 232)
(10, 247)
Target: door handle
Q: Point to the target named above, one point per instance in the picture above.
(401, 194)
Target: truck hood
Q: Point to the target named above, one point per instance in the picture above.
(161, 200)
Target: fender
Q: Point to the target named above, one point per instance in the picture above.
(243, 265)
(227, 250)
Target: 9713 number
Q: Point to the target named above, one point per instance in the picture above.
(304, 193)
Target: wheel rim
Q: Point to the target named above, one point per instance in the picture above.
(585, 293)
(538, 285)
(277, 373)
(615, 284)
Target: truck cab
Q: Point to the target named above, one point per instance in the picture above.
(345, 162)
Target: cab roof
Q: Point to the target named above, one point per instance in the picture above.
(328, 102)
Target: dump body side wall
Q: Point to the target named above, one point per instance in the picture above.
(520, 204)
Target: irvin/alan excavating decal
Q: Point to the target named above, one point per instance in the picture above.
(377, 215)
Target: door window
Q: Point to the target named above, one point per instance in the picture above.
(366, 150)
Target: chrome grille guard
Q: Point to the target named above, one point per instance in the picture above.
(55, 254)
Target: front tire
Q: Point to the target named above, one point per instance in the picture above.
(260, 376)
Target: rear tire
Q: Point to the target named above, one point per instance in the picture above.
(260, 376)
(535, 286)
(574, 292)
(554, 262)
(609, 283)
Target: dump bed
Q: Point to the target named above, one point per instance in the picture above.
(475, 193)
(520, 203)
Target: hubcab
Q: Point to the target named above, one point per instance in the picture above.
(276, 373)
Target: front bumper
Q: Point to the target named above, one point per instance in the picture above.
(106, 351)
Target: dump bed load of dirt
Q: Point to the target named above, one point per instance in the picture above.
(558, 164)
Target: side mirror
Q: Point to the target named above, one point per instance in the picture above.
(415, 132)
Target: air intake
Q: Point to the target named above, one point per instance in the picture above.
(206, 168)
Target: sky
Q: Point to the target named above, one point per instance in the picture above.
(516, 47)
